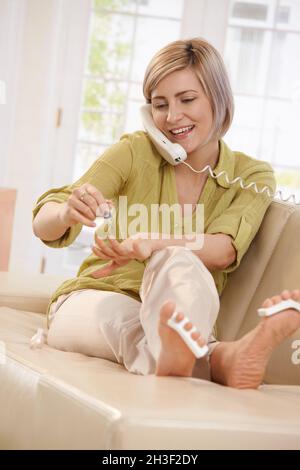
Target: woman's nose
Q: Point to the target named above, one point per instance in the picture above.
(174, 114)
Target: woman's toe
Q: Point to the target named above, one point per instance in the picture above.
(296, 294)
(195, 335)
(267, 303)
(286, 294)
(188, 326)
(201, 341)
(179, 317)
(276, 299)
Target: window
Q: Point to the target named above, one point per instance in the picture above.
(124, 35)
(261, 54)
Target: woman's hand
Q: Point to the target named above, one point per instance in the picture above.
(82, 205)
(121, 253)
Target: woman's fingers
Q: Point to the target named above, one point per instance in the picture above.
(88, 199)
(121, 253)
(109, 203)
(118, 248)
(95, 193)
(79, 218)
(83, 197)
(99, 253)
(115, 253)
(120, 261)
(102, 204)
(82, 207)
(108, 251)
(114, 250)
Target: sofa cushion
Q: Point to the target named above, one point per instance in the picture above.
(52, 399)
(270, 266)
(28, 292)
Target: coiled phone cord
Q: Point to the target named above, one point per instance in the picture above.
(253, 185)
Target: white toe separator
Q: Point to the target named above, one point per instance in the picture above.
(284, 305)
(197, 350)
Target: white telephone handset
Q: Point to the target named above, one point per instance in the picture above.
(175, 154)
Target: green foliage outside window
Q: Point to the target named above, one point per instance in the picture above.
(105, 89)
(289, 178)
(113, 4)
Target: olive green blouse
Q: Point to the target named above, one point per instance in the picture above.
(134, 168)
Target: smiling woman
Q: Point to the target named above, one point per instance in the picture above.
(122, 301)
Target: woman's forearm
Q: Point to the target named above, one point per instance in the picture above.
(217, 251)
(47, 225)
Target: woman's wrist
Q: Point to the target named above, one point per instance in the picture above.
(161, 243)
(155, 244)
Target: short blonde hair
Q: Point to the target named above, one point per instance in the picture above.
(200, 56)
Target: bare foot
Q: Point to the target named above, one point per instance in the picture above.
(175, 357)
(242, 363)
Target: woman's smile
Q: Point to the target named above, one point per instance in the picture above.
(183, 132)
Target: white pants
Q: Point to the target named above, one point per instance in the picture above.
(119, 328)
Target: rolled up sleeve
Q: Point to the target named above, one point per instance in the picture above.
(242, 219)
(108, 174)
(58, 195)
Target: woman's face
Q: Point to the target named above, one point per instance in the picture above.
(179, 102)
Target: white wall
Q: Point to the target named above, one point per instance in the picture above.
(29, 146)
(208, 19)
(25, 166)
(11, 31)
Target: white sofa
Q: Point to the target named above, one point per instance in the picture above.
(57, 400)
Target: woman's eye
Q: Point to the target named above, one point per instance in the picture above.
(187, 100)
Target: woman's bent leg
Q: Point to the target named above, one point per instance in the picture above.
(116, 327)
(176, 274)
(101, 324)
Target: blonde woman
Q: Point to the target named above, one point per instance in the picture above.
(119, 305)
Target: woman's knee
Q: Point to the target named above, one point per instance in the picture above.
(177, 255)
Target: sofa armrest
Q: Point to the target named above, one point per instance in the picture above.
(27, 292)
